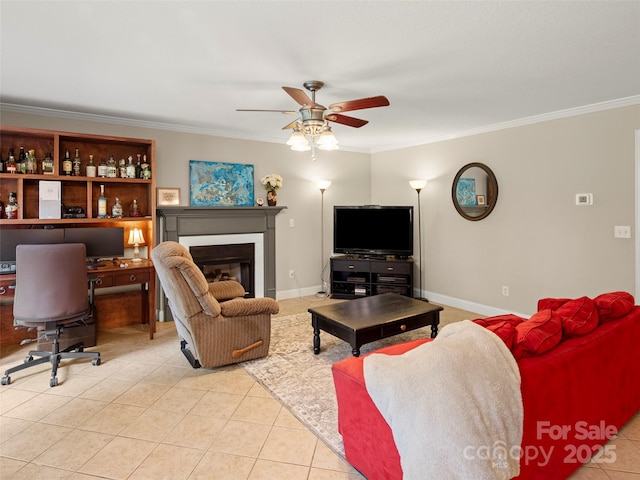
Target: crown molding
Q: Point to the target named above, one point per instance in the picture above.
(91, 117)
(570, 112)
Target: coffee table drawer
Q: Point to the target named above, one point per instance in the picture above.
(351, 265)
(404, 326)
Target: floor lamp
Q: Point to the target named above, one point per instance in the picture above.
(418, 185)
(322, 185)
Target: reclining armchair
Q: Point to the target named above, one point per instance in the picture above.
(216, 324)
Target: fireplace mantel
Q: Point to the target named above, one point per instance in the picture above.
(176, 222)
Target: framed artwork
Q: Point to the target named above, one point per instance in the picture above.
(168, 196)
(466, 192)
(481, 200)
(220, 184)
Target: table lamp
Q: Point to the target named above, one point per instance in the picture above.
(136, 238)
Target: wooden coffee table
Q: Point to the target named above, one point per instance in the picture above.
(368, 319)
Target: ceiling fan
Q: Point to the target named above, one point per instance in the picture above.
(314, 118)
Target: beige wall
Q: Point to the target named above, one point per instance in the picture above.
(536, 241)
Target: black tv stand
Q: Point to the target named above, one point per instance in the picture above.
(357, 276)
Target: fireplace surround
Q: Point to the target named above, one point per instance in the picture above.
(185, 224)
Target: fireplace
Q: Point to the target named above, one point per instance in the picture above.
(221, 263)
(220, 231)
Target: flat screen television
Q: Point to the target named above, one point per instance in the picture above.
(373, 230)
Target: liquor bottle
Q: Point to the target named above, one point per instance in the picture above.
(77, 164)
(2, 170)
(1, 209)
(11, 166)
(22, 161)
(134, 212)
(91, 168)
(131, 168)
(11, 210)
(102, 168)
(102, 204)
(47, 164)
(116, 211)
(67, 164)
(122, 168)
(146, 168)
(112, 168)
(31, 163)
(138, 168)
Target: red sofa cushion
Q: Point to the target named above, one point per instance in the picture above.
(613, 305)
(538, 335)
(551, 303)
(579, 317)
(502, 325)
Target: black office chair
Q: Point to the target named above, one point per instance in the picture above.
(51, 293)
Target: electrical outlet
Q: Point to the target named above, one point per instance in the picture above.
(505, 290)
(622, 231)
(292, 223)
(292, 274)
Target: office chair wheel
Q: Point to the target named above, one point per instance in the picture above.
(80, 348)
(6, 380)
(53, 382)
(96, 361)
(28, 358)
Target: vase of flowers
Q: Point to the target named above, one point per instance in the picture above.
(272, 183)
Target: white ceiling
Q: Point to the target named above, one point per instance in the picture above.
(447, 68)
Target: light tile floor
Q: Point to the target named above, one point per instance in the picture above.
(146, 414)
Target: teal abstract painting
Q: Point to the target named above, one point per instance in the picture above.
(220, 184)
(466, 192)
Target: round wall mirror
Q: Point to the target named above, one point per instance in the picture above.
(474, 191)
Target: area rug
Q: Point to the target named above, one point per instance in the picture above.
(301, 380)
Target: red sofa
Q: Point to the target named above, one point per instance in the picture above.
(578, 389)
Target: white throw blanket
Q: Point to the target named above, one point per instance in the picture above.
(454, 405)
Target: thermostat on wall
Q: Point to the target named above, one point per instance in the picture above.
(584, 198)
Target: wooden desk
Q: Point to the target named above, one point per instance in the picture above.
(111, 275)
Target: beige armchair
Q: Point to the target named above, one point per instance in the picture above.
(216, 324)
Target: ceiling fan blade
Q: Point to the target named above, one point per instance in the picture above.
(290, 125)
(299, 96)
(345, 120)
(253, 110)
(349, 105)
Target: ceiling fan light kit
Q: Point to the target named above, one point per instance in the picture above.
(312, 129)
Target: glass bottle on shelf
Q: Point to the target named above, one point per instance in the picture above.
(31, 163)
(131, 168)
(1, 209)
(122, 168)
(22, 161)
(102, 168)
(47, 164)
(77, 163)
(112, 169)
(2, 170)
(91, 168)
(116, 211)
(138, 173)
(146, 168)
(11, 166)
(134, 212)
(67, 164)
(102, 204)
(11, 209)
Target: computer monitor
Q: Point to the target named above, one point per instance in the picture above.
(10, 238)
(107, 242)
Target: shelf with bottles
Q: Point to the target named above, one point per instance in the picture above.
(80, 191)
